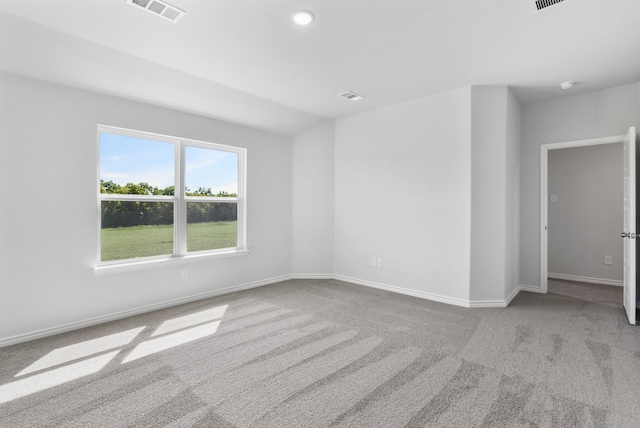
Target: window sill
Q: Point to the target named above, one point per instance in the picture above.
(168, 261)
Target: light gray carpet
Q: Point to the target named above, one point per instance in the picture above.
(588, 292)
(331, 354)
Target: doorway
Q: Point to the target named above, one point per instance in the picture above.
(545, 197)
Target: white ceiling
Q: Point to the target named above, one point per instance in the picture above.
(245, 61)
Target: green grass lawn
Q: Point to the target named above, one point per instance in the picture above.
(143, 241)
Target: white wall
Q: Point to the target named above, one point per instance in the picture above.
(512, 184)
(313, 201)
(595, 114)
(393, 183)
(402, 194)
(495, 141)
(586, 221)
(48, 233)
(488, 202)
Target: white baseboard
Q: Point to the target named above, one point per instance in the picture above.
(433, 297)
(409, 292)
(495, 303)
(12, 340)
(530, 288)
(512, 296)
(576, 278)
(312, 276)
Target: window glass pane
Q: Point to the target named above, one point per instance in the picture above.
(210, 172)
(136, 166)
(211, 225)
(132, 229)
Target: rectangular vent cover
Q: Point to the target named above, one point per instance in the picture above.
(352, 96)
(538, 5)
(159, 8)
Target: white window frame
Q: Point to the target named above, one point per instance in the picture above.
(180, 199)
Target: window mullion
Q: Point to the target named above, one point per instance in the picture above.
(210, 199)
(181, 204)
(242, 208)
(134, 198)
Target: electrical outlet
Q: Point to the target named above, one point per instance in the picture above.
(374, 262)
(379, 263)
(184, 273)
(607, 260)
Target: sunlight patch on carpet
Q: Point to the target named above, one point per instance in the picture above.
(190, 320)
(46, 380)
(154, 346)
(81, 350)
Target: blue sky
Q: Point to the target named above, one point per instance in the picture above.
(134, 160)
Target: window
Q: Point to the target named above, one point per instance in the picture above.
(163, 197)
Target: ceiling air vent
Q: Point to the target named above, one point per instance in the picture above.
(352, 96)
(538, 5)
(159, 8)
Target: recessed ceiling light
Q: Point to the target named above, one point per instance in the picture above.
(302, 17)
(568, 84)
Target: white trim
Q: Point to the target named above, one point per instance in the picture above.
(544, 216)
(512, 296)
(479, 304)
(495, 303)
(312, 276)
(243, 160)
(589, 280)
(98, 200)
(544, 194)
(136, 311)
(180, 207)
(431, 296)
(530, 288)
(146, 198)
(153, 263)
(414, 293)
(584, 143)
(407, 291)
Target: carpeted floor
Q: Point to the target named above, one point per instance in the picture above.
(318, 353)
(597, 293)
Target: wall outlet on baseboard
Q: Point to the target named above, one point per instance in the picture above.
(607, 260)
(376, 262)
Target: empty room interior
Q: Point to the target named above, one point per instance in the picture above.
(368, 214)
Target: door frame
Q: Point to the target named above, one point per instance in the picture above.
(544, 194)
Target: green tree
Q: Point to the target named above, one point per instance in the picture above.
(109, 187)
